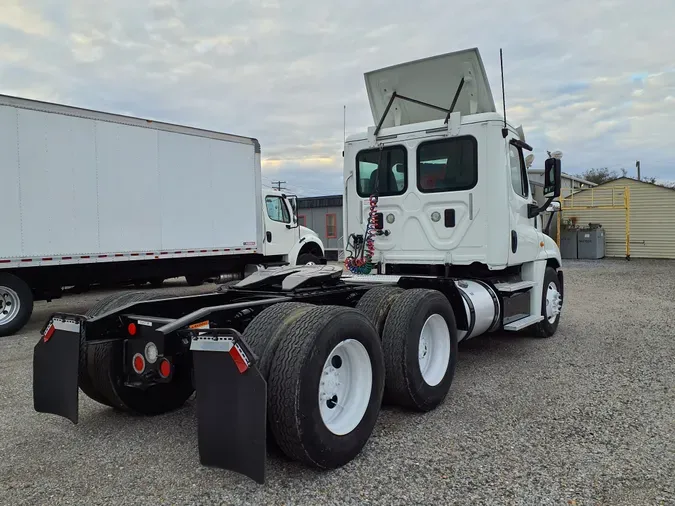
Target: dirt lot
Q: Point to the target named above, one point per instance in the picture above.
(586, 417)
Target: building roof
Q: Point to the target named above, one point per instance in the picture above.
(320, 201)
(565, 175)
(637, 181)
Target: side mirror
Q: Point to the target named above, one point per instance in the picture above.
(552, 177)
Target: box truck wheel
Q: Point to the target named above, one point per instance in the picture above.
(195, 280)
(102, 379)
(551, 304)
(308, 259)
(16, 304)
(376, 302)
(325, 386)
(419, 341)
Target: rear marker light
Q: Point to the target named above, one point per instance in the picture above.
(49, 332)
(132, 329)
(164, 368)
(239, 358)
(138, 363)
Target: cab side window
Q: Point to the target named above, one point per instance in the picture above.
(277, 210)
(518, 172)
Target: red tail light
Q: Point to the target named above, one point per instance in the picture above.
(138, 363)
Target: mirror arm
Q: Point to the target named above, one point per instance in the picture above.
(533, 211)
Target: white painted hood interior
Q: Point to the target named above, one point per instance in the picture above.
(432, 80)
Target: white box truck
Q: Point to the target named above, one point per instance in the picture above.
(89, 197)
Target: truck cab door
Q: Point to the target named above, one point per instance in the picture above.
(524, 235)
(280, 234)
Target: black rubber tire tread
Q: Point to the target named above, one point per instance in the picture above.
(25, 298)
(101, 360)
(376, 302)
(294, 380)
(404, 384)
(267, 329)
(544, 328)
(194, 280)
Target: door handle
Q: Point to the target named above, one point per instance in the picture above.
(269, 236)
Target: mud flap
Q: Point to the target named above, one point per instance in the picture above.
(231, 403)
(56, 360)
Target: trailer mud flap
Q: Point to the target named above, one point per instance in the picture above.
(231, 403)
(56, 359)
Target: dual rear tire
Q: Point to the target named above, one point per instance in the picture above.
(325, 375)
(419, 342)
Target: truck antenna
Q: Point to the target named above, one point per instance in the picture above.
(505, 131)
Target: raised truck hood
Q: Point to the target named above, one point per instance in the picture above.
(434, 81)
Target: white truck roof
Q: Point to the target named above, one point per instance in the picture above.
(434, 81)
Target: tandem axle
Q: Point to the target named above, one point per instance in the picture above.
(302, 355)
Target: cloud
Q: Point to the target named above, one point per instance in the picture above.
(594, 79)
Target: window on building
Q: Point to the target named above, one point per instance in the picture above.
(331, 226)
(302, 220)
(277, 210)
(392, 176)
(518, 172)
(447, 165)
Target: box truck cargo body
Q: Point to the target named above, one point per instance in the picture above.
(90, 197)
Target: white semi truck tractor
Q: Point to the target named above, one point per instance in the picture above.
(445, 243)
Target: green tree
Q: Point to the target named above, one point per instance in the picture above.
(602, 175)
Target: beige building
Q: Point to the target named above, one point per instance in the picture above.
(652, 214)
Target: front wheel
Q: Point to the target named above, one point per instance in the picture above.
(16, 304)
(308, 259)
(551, 304)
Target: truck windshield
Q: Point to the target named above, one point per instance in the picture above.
(447, 165)
(392, 176)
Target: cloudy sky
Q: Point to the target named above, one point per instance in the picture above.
(593, 78)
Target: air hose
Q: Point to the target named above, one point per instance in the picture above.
(364, 264)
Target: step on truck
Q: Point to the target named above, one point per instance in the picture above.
(93, 198)
(445, 243)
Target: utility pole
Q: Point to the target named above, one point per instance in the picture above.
(278, 184)
(637, 165)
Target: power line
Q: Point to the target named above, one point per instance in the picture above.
(278, 184)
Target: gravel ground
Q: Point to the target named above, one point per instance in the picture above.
(586, 417)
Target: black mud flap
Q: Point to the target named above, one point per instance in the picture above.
(56, 360)
(231, 403)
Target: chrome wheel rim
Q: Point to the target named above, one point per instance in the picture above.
(553, 302)
(10, 305)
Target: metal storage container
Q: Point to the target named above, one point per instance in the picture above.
(568, 243)
(591, 243)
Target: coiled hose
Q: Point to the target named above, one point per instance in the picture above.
(364, 264)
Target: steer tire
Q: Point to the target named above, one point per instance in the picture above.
(293, 388)
(545, 328)
(376, 302)
(405, 385)
(25, 295)
(101, 369)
